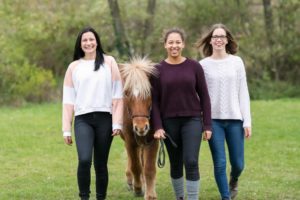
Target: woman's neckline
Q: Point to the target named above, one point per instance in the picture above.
(87, 60)
(220, 59)
(184, 59)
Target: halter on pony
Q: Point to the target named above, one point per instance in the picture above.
(137, 94)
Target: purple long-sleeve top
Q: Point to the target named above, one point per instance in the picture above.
(180, 90)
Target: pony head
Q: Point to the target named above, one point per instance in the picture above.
(137, 92)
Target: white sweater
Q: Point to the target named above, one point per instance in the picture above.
(86, 91)
(227, 87)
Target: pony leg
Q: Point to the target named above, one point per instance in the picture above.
(150, 154)
(135, 168)
(129, 173)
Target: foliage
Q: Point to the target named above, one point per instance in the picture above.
(25, 82)
(268, 89)
(43, 33)
(48, 30)
(20, 79)
(36, 164)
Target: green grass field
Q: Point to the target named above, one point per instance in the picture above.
(35, 163)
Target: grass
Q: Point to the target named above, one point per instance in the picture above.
(36, 165)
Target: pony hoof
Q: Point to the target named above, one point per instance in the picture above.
(151, 198)
(129, 187)
(138, 193)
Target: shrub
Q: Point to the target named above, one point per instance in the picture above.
(25, 83)
(268, 89)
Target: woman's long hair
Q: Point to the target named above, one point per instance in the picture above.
(204, 42)
(78, 52)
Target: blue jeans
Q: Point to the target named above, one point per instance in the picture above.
(232, 132)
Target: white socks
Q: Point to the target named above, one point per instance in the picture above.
(178, 187)
(192, 188)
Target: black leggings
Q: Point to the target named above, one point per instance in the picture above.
(187, 134)
(93, 135)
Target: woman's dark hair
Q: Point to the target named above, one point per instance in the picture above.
(167, 32)
(207, 50)
(78, 52)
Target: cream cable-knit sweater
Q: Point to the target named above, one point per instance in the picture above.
(86, 90)
(227, 87)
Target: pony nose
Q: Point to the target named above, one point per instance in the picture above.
(135, 128)
(141, 131)
(146, 127)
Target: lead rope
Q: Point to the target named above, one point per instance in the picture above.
(161, 152)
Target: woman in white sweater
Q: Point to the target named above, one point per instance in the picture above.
(93, 93)
(230, 103)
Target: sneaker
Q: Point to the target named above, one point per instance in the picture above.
(233, 187)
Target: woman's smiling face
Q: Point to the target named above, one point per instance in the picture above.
(174, 45)
(219, 40)
(88, 43)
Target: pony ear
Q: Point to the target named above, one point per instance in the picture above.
(121, 66)
(126, 94)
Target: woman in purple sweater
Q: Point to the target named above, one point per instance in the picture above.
(181, 110)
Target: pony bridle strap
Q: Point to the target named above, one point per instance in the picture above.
(143, 116)
(136, 115)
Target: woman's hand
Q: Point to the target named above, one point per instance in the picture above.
(160, 133)
(68, 140)
(247, 131)
(207, 135)
(116, 132)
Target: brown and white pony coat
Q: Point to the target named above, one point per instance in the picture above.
(140, 144)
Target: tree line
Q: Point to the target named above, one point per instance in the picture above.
(37, 39)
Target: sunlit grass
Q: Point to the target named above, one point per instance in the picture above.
(35, 163)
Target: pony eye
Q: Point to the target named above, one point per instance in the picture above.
(126, 94)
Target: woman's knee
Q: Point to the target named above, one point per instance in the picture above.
(220, 165)
(85, 162)
(238, 167)
(192, 170)
(176, 171)
(101, 169)
(191, 163)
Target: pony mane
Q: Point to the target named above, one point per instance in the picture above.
(136, 74)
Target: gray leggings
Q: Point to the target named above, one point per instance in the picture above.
(93, 136)
(186, 132)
